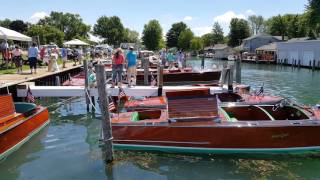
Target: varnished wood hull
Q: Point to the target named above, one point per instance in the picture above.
(209, 137)
(20, 132)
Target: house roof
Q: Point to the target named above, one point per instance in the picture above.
(220, 46)
(268, 47)
(262, 36)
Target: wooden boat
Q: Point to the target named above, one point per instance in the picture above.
(18, 123)
(199, 125)
(183, 76)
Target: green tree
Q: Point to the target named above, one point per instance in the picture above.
(277, 26)
(196, 44)
(256, 24)
(131, 36)
(110, 28)
(5, 23)
(174, 33)
(208, 39)
(19, 26)
(71, 25)
(313, 12)
(217, 33)
(47, 34)
(239, 30)
(184, 41)
(152, 35)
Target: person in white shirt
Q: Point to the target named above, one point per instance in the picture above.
(17, 58)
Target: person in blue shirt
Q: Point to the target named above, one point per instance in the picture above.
(64, 56)
(131, 67)
(33, 57)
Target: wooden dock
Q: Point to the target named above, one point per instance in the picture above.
(7, 80)
(71, 91)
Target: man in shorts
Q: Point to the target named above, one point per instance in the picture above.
(131, 64)
(33, 57)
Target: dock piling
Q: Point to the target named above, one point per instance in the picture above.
(86, 83)
(160, 79)
(299, 63)
(230, 78)
(238, 70)
(146, 71)
(58, 82)
(106, 121)
(313, 65)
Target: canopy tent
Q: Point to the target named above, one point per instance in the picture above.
(76, 42)
(7, 34)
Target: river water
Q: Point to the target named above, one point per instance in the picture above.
(69, 148)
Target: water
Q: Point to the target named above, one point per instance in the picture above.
(69, 147)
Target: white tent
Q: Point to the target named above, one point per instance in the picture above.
(76, 42)
(7, 34)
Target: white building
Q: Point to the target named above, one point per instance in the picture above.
(222, 51)
(306, 51)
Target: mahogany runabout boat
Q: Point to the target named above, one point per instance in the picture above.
(18, 123)
(198, 124)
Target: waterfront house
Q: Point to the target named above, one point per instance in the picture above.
(305, 51)
(250, 44)
(267, 52)
(222, 51)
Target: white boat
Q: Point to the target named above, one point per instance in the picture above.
(231, 58)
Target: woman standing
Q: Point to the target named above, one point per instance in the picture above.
(117, 67)
(17, 59)
(33, 55)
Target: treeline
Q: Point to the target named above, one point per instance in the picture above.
(59, 27)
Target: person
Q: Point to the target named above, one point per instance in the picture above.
(42, 54)
(117, 67)
(178, 59)
(170, 59)
(131, 65)
(64, 56)
(92, 78)
(54, 58)
(17, 58)
(163, 55)
(32, 56)
(79, 54)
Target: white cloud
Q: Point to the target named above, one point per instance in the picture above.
(188, 18)
(224, 19)
(199, 31)
(37, 16)
(250, 12)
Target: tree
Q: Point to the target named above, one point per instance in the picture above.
(174, 33)
(217, 33)
(71, 25)
(152, 35)
(277, 26)
(47, 34)
(19, 26)
(131, 36)
(110, 28)
(184, 40)
(5, 23)
(208, 39)
(313, 11)
(256, 24)
(239, 30)
(196, 44)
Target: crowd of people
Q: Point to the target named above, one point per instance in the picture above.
(170, 58)
(47, 56)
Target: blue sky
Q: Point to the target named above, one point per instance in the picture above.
(198, 14)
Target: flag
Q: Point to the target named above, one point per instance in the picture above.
(111, 105)
(121, 93)
(30, 97)
(153, 80)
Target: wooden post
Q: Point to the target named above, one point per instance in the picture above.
(310, 64)
(184, 63)
(299, 63)
(238, 70)
(58, 82)
(318, 64)
(106, 122)
(86, 83)
(69, 76)
(160, 79)
(313, 65)
(202, 62)
(146, 71)
(230, 79)
(223, 76)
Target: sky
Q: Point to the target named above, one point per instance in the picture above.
(199, 15)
